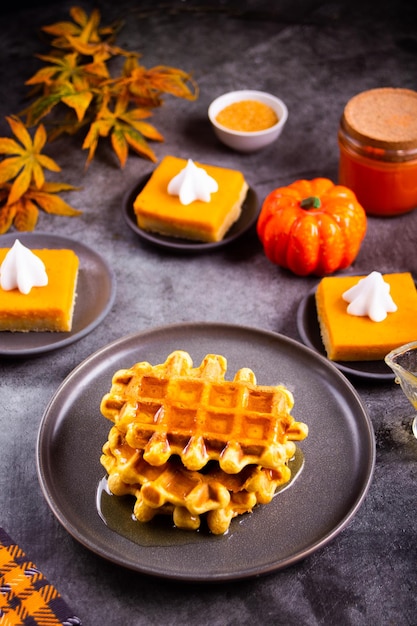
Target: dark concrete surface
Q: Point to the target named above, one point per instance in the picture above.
(315, 55)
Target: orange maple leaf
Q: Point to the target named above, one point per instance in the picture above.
(112, 108)
(85, 28)
(27, 163)
(24, 212)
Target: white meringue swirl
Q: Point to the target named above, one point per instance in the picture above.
(192, 183)
(371, 297)
(22, 269)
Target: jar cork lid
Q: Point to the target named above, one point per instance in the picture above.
(383, 118)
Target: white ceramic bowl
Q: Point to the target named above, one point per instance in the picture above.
(247, 141)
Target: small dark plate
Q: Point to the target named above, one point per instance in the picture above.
(95, 296)
(247, 219)
(309, 331)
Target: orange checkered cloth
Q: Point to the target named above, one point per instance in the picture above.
(26, 597)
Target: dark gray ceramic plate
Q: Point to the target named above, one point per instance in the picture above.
(95, 296)
(250, 209)
(309, 331)
(339, 458)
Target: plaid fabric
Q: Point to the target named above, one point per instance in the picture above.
(26, 597)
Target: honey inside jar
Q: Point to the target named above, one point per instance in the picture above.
(378, 150)
(247, 116)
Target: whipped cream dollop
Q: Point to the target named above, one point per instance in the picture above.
(192, 183)
(22, 269)
(371, 297)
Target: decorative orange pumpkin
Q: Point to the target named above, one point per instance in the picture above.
(312, 227)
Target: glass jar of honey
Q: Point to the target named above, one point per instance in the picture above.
(378, 150)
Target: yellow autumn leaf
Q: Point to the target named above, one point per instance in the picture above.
(88, 23)
(79, 102)
(20, 131)
(120, 146)
(26, 216)
(80, 16)
(38, 175)
(48, 163)
(56, 187)
(97, 68)
(76, 75)
(45, 75)
(20, 185)
(9, 168)
(9, 146)
(148, 131)
(84, 27)
(91, 141)
(150, 84)
(173, 81)
(54, 204)
(23, 213)
(7, 214)
(39, 139)
(61, 29)
(28, 165)
(139, 145)
(41, 107)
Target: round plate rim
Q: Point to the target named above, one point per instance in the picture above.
(229, 576)
(183, 245)
(77, 246)
(342, 366)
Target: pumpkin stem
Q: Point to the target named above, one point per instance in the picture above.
(312, 202)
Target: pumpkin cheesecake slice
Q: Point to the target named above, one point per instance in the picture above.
(48, 307)
(204, 217)
(357, 337)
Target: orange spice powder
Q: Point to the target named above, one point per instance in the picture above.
(247, 116)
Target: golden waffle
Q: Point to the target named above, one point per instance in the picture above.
(193, 412)
(169, 483)
(185, 494)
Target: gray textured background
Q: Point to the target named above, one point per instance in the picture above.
(315, 56)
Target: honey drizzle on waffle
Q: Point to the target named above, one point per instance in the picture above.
(176, 409)
(171, 489)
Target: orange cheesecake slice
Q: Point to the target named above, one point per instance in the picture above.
(158, 211)
(349, 337)
(48, 308)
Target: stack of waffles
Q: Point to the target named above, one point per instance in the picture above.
(188, 443)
